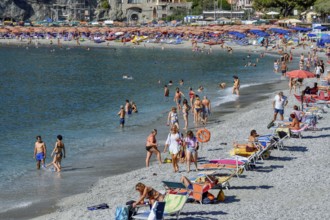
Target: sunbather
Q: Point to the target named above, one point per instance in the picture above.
(295, 124)
(147, 192)
(250, 146)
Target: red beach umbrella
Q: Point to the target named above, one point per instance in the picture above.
(300, 74)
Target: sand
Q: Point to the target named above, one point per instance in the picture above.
(291, 184)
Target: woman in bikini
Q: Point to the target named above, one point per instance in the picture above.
(185, 111)
(250, 146)
(59, 151)
(147, 192)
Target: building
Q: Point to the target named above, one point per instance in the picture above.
(243, 4)
(75, 10)
(148, 10)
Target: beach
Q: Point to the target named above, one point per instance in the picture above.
(289, 185)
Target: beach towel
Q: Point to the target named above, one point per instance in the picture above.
(122, 213)
(100, 206)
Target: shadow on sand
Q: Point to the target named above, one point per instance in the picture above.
(250, 188)
(201, 215)
(296, 148)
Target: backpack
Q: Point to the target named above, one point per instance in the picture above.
(121, 213)
(221, 196)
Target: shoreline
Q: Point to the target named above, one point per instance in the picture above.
(271, 186)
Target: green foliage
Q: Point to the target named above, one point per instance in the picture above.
(322, 6)
(177, 14)
(286, 6)
(105, 4)
(199, 5)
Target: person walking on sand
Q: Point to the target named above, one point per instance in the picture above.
(121, 114)
(279, 102)
(236, 85)
(40, 152)
(173, 144)
(191, 144)
(151, 147)
(59, 151)
(166, 93)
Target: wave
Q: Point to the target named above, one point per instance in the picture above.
(227, 96)
(8, 207)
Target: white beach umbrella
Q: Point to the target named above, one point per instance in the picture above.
(293, 21)
(273, 13)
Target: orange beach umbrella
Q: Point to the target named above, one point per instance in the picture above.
(300, 74)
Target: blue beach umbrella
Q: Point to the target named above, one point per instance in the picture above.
(322, 28)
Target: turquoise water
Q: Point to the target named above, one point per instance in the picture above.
(77, 93)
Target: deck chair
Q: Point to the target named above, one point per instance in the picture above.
(156, 212)
(297, 133)
(175, 188)
(174, 204)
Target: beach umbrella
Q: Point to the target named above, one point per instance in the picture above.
(300, 74)
(272, 13)
(292, 21)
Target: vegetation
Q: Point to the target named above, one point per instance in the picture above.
(286, 6)
(199, 5)
(104, 4)
(322, 6)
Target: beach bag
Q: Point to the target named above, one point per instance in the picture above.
(271, 124)
(221, 196)
(122, 213)
(208, 198)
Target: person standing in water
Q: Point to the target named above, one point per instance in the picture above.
(121, 114)
(59, 151)
(166, 93)
(40, 152)
(236, 85)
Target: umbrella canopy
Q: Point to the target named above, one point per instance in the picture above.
(300, 74)
(293, 21)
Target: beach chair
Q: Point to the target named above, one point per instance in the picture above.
(173, 204)
(156, 212)
(297, 133)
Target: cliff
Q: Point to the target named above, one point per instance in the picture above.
(37, 10)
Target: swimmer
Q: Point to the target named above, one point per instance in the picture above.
(200, 89)
(222, 85)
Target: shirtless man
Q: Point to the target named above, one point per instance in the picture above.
(40, 152)
(166, 93)
(128, 107)
(198, 108)
(177, 98)
(206, 108)
(191, 97)
(121, 114)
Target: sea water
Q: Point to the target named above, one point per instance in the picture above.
(77, 93)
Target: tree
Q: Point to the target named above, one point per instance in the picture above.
(286, 6)
(199, 5)
(322, 6)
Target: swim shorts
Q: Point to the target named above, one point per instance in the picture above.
(148, 148)
(122, 121)
(281, 111)
(40, 156)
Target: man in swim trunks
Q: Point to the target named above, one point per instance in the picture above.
(177, 98)
(151, 147)
(121, 114)
(166, 93)
(40, 152)
(206, 108)
(128, 107)
(283, 68)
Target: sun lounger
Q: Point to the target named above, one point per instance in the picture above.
(173, 204)
(156, 212)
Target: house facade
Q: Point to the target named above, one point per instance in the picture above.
(148, 10)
